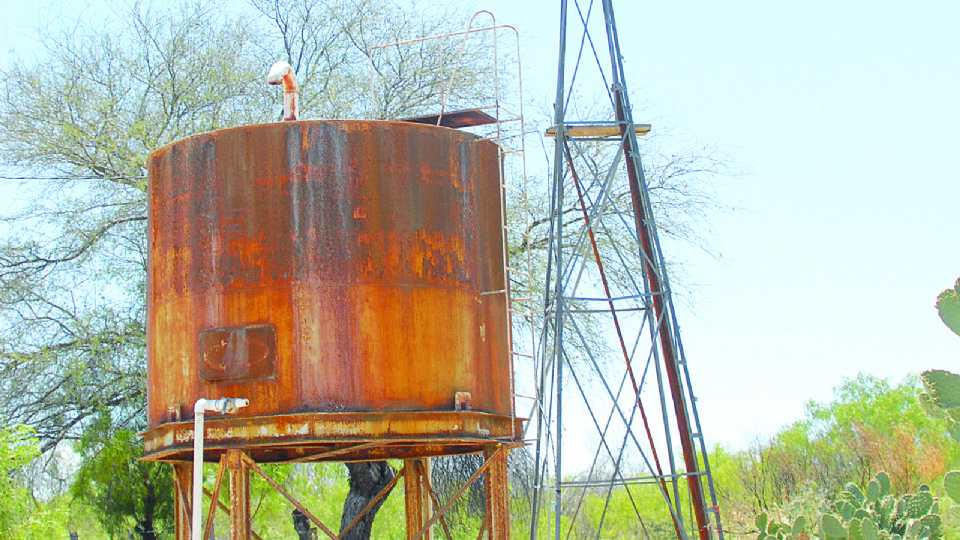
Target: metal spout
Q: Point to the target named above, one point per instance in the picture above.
(282, 73)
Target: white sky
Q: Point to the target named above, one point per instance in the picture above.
(845, 115)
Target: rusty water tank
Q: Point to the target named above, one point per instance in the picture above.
(329, 267)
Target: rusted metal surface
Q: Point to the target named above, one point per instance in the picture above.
(214, 496)
(226, 510)
(496, 493)
(322, 267)
(239, 495)
(455, 119)
(416, 501)
(344, 436)
(182, 497)
(240, 353)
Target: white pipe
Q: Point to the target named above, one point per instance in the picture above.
(226, 406)
(282, 73)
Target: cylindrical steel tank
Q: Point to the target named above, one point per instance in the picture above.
(327, 266)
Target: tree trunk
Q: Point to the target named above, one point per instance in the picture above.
(367, 479)
(144, 527)
(302, 525)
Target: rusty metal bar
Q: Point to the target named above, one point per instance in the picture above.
(652, 271)
(483, 468)
(483, 527)
(226, 510)
(413, 496)
(495, 489)
(182, 476)
(337, 452)
(239, 495)
(383, 493)
(214, 497)
(436, 504)
(253, 465)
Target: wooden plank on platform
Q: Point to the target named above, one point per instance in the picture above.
(597, 131)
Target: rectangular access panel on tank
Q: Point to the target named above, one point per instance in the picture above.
(238, 353)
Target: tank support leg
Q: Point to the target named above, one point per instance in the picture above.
(239, 495)
(416, 478)
(182, 481)
(495, 488)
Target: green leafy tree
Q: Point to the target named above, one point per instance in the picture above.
(869, 427)
(875, 427)
(18, 446)
(22, 515)
(127, 494)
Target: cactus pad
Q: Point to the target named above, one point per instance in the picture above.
(943, 387)
(948, 307)
(918, 505)
(833, 527)
(952, 484)
(884, 480)
(869, 529)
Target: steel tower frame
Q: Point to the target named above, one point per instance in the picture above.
(606, 276)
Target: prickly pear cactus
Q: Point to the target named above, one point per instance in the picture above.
(772, 530)
(951, 482)
(918, 505)
(942, 388)
(871, 514)
(948, 306)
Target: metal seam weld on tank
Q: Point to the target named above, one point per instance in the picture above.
(338, 275)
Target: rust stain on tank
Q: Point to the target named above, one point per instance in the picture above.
(368, 249)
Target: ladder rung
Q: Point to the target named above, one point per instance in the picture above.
(504, 108)
(515, 271)
(488, 293)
